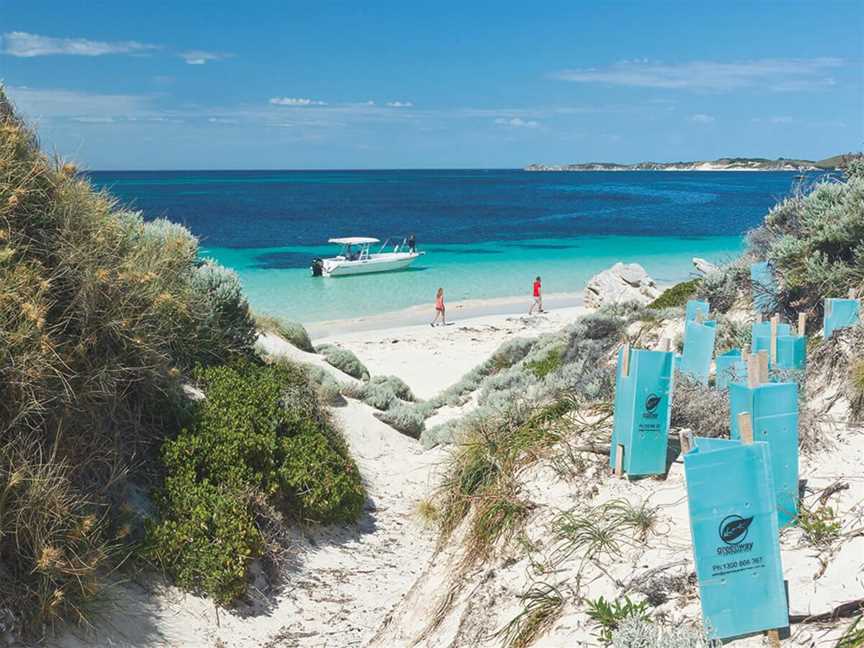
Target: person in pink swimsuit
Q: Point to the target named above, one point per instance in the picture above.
(439, 308)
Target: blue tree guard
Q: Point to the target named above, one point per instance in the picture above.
(736, 548)
(791, 349)
(695, 306)
(773, 408)
(840, 313)
(643, 403)
(731, 367)
(764, 286)
(698, 349)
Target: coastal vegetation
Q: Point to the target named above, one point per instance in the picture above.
(105, 320)
(344, 360)
(293, 332)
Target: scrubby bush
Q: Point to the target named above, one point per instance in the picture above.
(101, 316)
(856, 388)
(383, 391)
(636, 632)
(700, 408)
(676, 296)
(815, 243)
(344, 360)
(329, 390)
(723, 287)
(293, 332)
(404, 417)
(259, 432)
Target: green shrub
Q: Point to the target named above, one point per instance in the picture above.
(608, 616)
(293, 332)
(676, 296)
(815, 243)
(101, 315)
(329, 390)
(344, 360)
(259, 432)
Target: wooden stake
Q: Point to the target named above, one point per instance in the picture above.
(752, 370)
(619, 461)
(828, 304)
(851, 293)
(773, 638)
(665, 344)
(775, 323)
(745, 428)
(802, 324)
(686, 439)
(759, 316)
(700, 316)
(763, 366)
(625, 360)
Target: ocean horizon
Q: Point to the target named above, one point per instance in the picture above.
(486, 232)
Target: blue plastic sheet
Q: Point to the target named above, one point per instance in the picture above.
(791, 350)
(731, 367)
(764, 286)
(763, 329)
(695, 306)
(733, 523)
(698, 349)
(643, 402)
(840, 313)
(773, 408)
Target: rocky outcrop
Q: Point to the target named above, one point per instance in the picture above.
(704, 267)
(623, 282)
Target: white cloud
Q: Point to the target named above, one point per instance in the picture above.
(778, 75)
(400, 104)
(200, 57)
(701, 118)
(517, 122)
(294, 101)
(25, 45)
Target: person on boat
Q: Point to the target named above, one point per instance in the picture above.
(439, 308)
(412, 243)
(538, 297)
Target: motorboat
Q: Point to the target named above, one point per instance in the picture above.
(357, 257)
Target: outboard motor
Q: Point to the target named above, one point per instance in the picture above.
(317, 267)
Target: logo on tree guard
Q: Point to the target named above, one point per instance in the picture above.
(652, 402)
(733, 529)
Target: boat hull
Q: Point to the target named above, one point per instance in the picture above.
(368, 266)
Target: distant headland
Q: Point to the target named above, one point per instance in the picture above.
(720, 164)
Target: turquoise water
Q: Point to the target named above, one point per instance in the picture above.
(486, 233)
(481, 271)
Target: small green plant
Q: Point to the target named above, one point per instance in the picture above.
(344, 360)
(550, 362)
(607, 616)
(636, 632)
(854, 635)
(641, 517)
(676, 296)
(820, 526)
(542, 605)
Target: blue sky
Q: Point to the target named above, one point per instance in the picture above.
(123, 85)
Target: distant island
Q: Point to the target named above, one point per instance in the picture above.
(720, 164)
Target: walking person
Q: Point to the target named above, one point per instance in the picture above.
(439, 308)
(538, 297)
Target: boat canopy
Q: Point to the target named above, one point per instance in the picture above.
(354, 240)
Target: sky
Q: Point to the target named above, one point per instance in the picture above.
(312, 85)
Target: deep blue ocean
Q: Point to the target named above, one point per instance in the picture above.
(485, 233)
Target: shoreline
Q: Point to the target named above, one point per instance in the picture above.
(457, 312)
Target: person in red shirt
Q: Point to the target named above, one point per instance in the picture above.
(538, 298)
